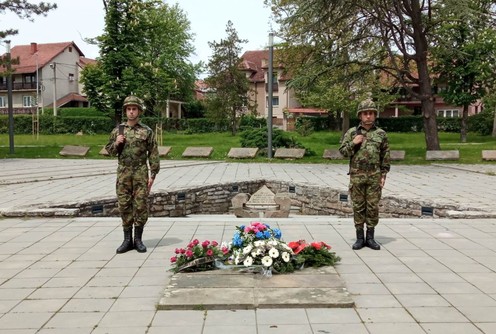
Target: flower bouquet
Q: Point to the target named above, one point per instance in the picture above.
(314, 254)
(259, 246)
(198, 256)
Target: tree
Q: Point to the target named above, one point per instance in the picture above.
(143, 52)
(394, 37)
(465, 57)
(226, 79)
(25, 10)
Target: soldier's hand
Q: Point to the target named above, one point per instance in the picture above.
(358, 139)
(120, 139)
(150, 183)
(383, 181)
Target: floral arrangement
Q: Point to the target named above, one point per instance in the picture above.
(198, 256)
(314, 254)
(255, 247)
(259, 245)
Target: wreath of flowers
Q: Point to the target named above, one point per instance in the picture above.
(198, 256)
(314, 254)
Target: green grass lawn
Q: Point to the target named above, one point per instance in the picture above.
(49, 146)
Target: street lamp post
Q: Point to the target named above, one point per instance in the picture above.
(53, 66)
(10, 105)
(271, 93)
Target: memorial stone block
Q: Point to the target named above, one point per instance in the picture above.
(242, 152)
(397, 155)
(442, 155)
(197, 152)
(489, 155)
(290, 153)
(71, 150)
(332, 154)
(163, 151)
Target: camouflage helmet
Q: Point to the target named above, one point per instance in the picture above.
(132, 100)
(367, 105)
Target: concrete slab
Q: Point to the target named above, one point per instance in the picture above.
(489, 155)
(442, 155)
(197, 152)
(333, 154)
(71, 150)
(242, 152)
(163, 151)
(397, 155)
(290, 153)
(232, 289)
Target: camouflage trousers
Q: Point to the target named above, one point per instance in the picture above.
(132, 195)
(365, 192)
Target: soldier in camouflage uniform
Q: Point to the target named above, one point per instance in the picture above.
(367, 147)
(135, 145)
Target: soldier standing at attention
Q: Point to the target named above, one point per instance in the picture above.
(367, 147)
(135, 145)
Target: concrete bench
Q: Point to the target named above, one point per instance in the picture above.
(242, 152)
(290, 153)
(197, 152)
(163, 151)
(332, 154)
(442, 155)
(489, 155)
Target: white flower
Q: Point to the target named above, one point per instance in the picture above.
(267, 261)
(247, 249)
(274, 253)
(236, 260)
(258, 243)
(272, 242)
(248, 261)
(285, 256)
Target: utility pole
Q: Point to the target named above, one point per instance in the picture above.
(271, 93)
(10, 102)
(53, 67)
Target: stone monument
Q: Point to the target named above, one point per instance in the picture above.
(262, 204)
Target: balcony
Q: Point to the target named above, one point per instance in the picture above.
(19, 86)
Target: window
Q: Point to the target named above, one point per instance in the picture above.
(28, 101)
(275, 101)
(3, 101)
(71, 77)
(448, 113)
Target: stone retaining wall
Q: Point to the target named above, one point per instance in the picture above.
(216, 199)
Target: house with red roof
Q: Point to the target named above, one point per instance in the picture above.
(44, 75)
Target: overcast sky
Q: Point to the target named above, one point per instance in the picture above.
(75, 20)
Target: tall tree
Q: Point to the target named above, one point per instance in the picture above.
(392, 36)
(25, 10)
(226, 78)
(465, 57)
(143, 51)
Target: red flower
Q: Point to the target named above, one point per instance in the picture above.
(293, 244)
(205, 244)
(173, 259)
(210, 252)
(225, 250)
(215, 243)
(196, 242)
(316, 245)
(189, 253)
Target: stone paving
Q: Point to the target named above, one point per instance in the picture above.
(61, 275)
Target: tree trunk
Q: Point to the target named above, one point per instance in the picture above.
(430, 126)
(494, 126)
(463, 129)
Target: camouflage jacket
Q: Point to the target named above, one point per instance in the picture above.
(139, 147)
(371, 155)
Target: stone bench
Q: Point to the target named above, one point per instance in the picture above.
(289, 153)
(489, 155)
(71, 150)
(332, 154)
(442, 155)
(242, 152)
(197, 152)
(397, 155)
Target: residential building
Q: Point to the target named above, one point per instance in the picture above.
(42, 74)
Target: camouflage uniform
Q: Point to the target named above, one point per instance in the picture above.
(138, 150)
(132, 172)
(369, 162)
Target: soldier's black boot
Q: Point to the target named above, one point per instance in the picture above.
(138, 243)
(370, 242)
(360, 242)
(127, 244)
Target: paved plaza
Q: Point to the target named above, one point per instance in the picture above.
(61, 274)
